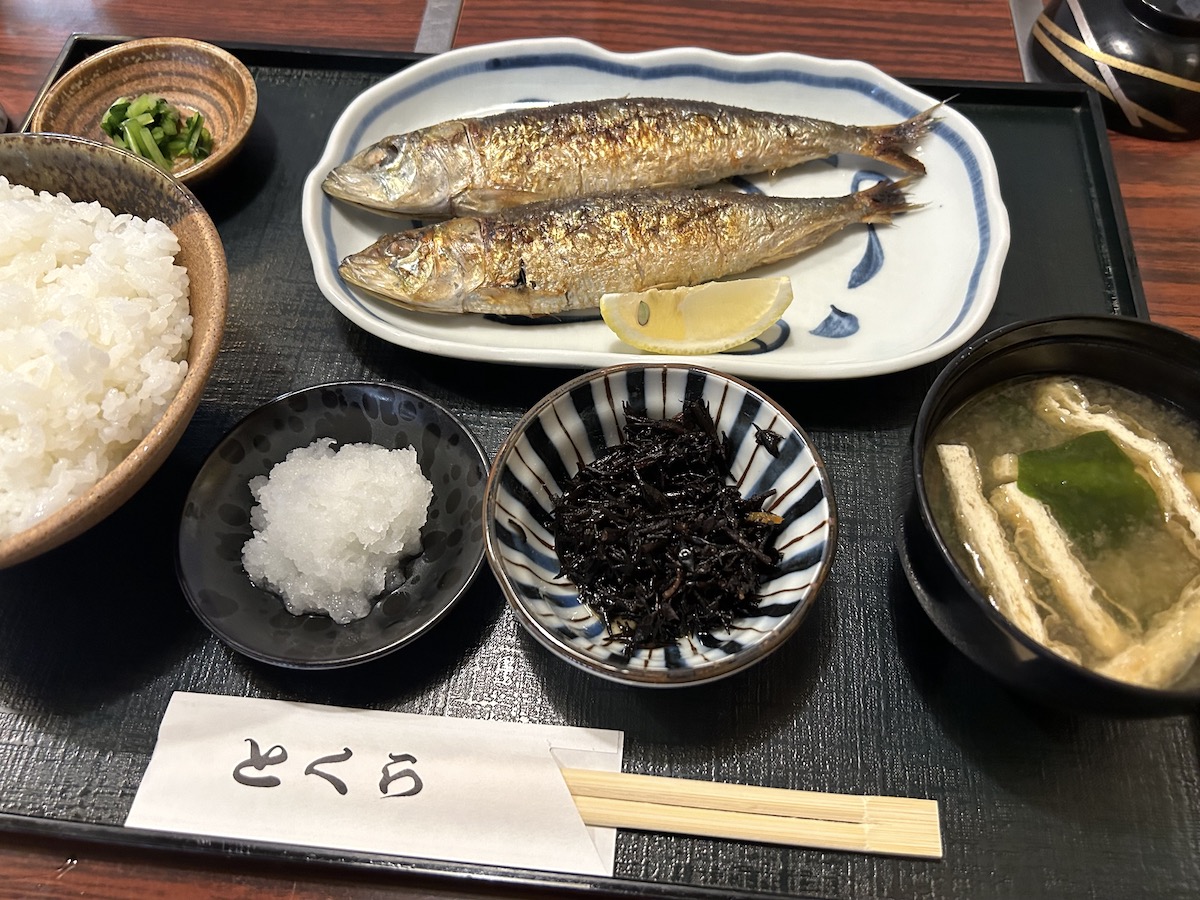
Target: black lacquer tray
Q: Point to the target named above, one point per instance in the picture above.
(867, 697)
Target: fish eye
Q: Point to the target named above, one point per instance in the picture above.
(381, 154)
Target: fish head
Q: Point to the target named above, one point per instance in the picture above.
(403, 173)
(428, 269)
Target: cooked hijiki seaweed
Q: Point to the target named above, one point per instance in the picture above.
(657, 540)
(1074, 504)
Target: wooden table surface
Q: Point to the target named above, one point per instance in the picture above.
(917, 39)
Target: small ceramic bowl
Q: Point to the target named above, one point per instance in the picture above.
(216, 524)
(192, 75)
(567, 430)
(88, 171)
(1149, 359)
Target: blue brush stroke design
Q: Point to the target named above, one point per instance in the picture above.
(744, 185)
(872, 261)
(838, 324)
(864, 175)
(870, 264)
(771, 339)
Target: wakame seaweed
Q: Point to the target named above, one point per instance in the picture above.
(1092, 488)
(658, 542)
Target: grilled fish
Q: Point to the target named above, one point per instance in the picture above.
(481, 165)
(559, 255)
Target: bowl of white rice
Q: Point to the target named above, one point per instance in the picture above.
(113, 293)
(333, 525)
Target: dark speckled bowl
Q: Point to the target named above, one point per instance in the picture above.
(216, 524)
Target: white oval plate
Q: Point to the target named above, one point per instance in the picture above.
(869, 301)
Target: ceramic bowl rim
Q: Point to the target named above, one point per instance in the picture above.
(406, 638)
(923, 427)
(709, 672)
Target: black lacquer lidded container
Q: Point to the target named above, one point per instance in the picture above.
(1141, 56)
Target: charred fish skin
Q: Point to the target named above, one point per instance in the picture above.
(561, 255)
(482, 165)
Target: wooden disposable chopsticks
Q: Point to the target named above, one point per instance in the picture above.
(899, 826)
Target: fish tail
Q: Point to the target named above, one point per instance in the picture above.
(887, 143)
(884, 200)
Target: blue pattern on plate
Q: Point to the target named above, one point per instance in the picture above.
(649, 73)
(837, 324)
(771, 339)
(868, 267)
(567, 430)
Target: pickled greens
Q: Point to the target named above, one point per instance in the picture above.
(153, 128)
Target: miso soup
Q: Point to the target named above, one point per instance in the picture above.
(1074, 504)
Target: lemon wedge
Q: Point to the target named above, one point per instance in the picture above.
(703, 318)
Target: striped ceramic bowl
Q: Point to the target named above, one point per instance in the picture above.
(567, 429)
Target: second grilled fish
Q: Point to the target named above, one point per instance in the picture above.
(480, 165)
(564, 254)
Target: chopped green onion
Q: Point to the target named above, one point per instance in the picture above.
(151, 127)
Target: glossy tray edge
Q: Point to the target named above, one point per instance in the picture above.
(1108, 205)
(90, 840)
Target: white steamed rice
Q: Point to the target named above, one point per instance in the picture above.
(94, 329)
(330, 524)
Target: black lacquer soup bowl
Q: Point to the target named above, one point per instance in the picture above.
(1151, 360)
